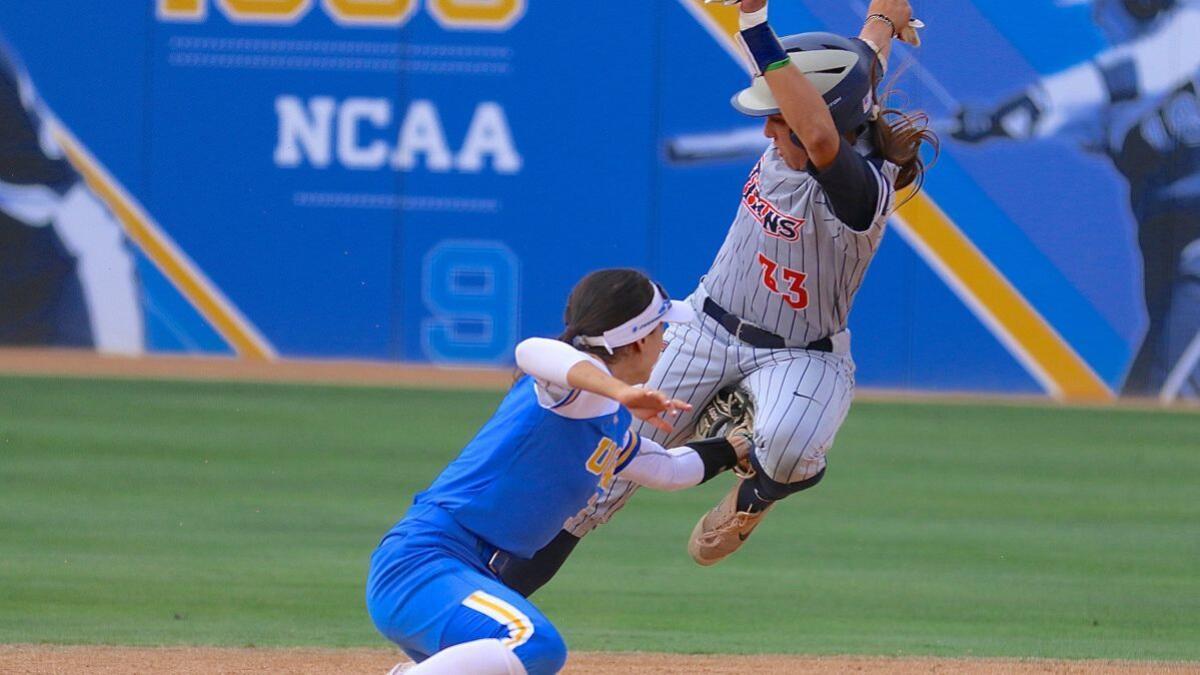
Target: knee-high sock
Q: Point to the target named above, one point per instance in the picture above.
(481, 657)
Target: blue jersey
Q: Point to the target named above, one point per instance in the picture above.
(531, 468)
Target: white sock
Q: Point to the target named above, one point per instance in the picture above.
(481, 657)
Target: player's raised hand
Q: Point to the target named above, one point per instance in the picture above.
(898, 16)
(897, 12)
(652, 406)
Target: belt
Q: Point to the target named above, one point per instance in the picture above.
(753, 335)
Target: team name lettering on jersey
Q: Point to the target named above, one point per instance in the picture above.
(774, 222)
(604, 461)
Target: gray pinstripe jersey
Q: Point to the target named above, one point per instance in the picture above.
(788, 264)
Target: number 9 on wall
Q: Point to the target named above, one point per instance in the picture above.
(471, 289)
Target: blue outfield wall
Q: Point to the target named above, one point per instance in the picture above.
(427, 186)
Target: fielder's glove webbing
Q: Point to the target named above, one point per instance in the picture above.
(730, 412)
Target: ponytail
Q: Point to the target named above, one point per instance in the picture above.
(899, 137)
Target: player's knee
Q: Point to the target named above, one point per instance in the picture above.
(789, 465)
(770, 487)
(545, 653)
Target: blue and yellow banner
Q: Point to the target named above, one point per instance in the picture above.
(423, 180)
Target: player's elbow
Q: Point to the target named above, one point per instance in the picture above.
(524, 353)
(822, 145)
(531, 354)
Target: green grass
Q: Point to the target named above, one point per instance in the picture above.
(234, 514)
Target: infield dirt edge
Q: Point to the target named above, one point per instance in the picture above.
(349, 372)
(110, 660)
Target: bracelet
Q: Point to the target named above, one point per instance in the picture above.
(882, 17)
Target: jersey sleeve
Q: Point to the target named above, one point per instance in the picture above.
(573, 403)
(856, 189)
(653, 466)
(630, 449)
(547, 362)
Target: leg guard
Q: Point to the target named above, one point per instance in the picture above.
(769, 489)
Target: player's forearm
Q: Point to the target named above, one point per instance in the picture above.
(661, 469)
(806, 114)
(678, 468)
(878, 35)
(799, 102)
(560, 363)
(588, 377)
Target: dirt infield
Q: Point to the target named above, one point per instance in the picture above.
(76, 363)
(80, 363)
(31, 659)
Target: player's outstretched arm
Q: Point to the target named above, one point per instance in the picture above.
(561, 364)
(657, 468)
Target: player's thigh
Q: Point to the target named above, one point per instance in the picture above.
(695, 365)
(425, 614)
(800, 402)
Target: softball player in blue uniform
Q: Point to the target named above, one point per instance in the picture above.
(559, 436)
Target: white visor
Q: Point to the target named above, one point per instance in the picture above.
(824, 68)
(660, 310)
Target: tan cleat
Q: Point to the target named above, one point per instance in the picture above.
(722, 530)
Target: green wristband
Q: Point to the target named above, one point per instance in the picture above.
(777, 65)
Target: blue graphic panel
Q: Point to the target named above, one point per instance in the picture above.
(428, 187)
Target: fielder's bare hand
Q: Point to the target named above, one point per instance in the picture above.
(651, 405)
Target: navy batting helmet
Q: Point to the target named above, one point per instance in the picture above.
(840, 69)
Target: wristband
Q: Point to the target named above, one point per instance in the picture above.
(717, 454)
(751, 19)
(765, 51)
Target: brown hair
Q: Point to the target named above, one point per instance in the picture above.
(899, 137)
(602, 301)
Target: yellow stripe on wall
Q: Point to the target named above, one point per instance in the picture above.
(1026, 333)
(995, 301)
(721, 22)
(220, 313)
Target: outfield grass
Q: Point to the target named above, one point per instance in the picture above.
(234, 514)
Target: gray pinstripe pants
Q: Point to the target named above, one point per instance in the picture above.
(801, 398)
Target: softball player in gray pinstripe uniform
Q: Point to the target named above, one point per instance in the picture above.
(773, 307)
